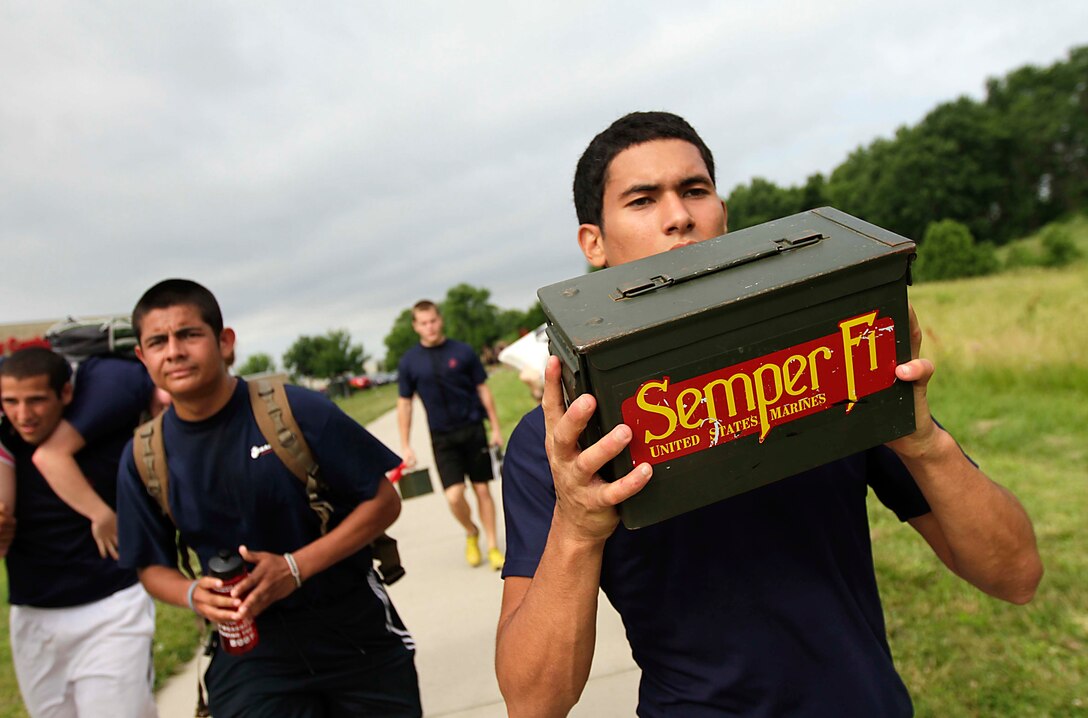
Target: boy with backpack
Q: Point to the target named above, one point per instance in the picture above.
(329, 640)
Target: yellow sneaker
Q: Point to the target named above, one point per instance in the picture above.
(494, 557)
(472, 550)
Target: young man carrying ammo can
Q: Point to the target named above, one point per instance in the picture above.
(764, 604)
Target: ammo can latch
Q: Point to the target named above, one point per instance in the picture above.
(787, 243)
(660, 281)
(650, 285)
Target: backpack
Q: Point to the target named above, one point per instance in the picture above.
(280, 430)
(79, 339)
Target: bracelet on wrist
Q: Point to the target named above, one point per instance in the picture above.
(294, 569)
(189, 596)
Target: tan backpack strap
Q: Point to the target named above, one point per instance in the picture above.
(149, 451)
(279, 428)
(150, 455)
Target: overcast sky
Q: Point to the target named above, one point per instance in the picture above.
(324, 165)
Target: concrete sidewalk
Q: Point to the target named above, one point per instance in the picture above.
(451, 610)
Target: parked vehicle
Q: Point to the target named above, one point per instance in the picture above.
(383, 377)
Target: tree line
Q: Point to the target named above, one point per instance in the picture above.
(467, 312)
(324, 356)
(468, 316)
(1002, 167)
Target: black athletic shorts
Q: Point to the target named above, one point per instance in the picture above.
(462, 452)
(325, 664)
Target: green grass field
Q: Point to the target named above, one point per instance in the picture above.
(512, 398)
(366, 406)
(1012, 385)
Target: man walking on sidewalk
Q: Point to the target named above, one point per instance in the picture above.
(449, 379)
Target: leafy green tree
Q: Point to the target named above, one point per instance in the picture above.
(470, 317)
(948, 166)
(258, 363)
(760, 201)
(814, 193)
(1045, 111)
(534, 317)
(400, 339)
(853, 185)
(1003, 167)
(510, 321)
(948, 251)
(514, 322)
(326, 356)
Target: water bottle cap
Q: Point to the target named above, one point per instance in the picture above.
(226, 565)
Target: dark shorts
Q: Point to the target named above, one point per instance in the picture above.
(462, 452)
(321, 666)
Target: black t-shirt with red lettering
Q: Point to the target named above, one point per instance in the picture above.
(447, 378)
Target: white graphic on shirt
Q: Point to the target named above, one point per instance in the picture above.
(258, 451)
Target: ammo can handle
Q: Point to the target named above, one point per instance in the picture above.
(660, 281)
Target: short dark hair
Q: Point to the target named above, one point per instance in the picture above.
(38, 361)
(172, 292)
(425, 305)
(635, 128)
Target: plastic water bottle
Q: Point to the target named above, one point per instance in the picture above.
(236, 637)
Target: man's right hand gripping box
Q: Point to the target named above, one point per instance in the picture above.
(743, 359)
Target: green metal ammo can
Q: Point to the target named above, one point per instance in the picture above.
(743, 359)
(415, 483)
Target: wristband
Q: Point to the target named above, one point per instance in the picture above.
(294, 569)
(189, 596)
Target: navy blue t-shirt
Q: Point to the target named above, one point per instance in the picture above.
(53, 561)
(228, 488)
(446, 378)
(764, 604)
